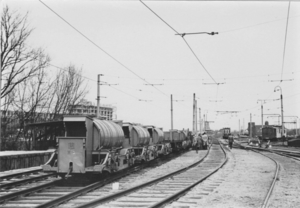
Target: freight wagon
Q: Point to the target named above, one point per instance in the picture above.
(89, 146)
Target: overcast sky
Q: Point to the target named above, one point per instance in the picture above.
(246, 56)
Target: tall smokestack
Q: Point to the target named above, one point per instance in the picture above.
(194, 112)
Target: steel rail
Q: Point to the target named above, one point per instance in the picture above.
(137, 187)
(284, 153)
(88, 188)
(183, 191)
(267, 197)
(292, 153)
(10, 196)
(287, 155)
(91, 187)
(286, 150)
(19, 174)
(27, 180)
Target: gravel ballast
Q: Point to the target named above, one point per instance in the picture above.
(243, 182)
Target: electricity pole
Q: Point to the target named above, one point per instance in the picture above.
(171, 112)
(98, 95)
(281, 98)
(171, 132)
(200, 119)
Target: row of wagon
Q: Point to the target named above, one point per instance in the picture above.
(90, 145)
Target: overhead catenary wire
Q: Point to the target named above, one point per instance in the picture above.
(197, 79)
(198, 60)
(286, 29)
(96, 81)
(255, 25)
(143, 79)
(182, 38)
(96, 45)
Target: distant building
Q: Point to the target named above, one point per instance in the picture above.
(87, 108)
(256, 130)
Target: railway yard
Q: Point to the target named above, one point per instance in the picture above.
(216, 177)
(131, 104)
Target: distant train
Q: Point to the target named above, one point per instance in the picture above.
(226, 132)
(90, 145)
(272, 132)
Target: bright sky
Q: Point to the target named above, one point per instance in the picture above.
(246, 56)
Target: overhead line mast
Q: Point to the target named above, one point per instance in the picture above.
(261, 103)
(96, 45)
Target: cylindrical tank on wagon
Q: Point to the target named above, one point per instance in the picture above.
(139, 136)
(182, 135)
(157, 136)
(107, 134)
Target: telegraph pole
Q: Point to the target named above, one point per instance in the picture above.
(171, 132)
(200, 119)
(196, 126)
(171, 112)
(204, 122)
(194, 115)
(281, 98)
(98, 95)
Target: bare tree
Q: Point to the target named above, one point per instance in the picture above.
(68, 90)
(18, 61)
(25, 104)
(28, 90)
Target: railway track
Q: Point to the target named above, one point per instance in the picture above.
(20, 182)
(279, 157)
(51, 193)
(147, 175)
(17, 173)
(161, 189)
(291, 153)
(12, 182)
(275, 178)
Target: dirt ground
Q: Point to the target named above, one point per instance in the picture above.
(244, 182)
(287, 188)
(247, 177)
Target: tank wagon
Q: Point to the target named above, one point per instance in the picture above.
(179, 140)
(89, 146)
(94, 146)
(138, 137)
(98, 146)
(162, 146)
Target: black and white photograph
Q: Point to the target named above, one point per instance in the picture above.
(148, 103)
